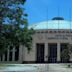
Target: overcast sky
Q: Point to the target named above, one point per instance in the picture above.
(43, 10)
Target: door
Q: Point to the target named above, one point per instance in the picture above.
(40, 53)
(52, 53)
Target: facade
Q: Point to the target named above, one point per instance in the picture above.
(49, 40)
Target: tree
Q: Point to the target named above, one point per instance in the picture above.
(14, 25)
(66, 53)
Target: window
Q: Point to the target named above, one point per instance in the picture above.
(50, 31)
(46, 31)
(55, 31)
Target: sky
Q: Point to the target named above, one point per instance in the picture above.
(43, 10)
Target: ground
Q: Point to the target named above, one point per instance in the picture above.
(35, 68)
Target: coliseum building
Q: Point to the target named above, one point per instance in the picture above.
(49, 40)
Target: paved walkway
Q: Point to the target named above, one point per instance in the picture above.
(59, 68)
(35, 68)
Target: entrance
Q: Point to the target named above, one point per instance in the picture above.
(52, 52)
(40, 53)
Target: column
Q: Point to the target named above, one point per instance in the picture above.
(34, 52)
(13, 54)
(23, 52)
(3, 57)
(58, 51)
(20, 53)
(8, 54)
(46, 52)
(71, 57)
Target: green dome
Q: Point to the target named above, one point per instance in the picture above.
(52, 24)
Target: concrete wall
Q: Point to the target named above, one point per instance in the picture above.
(61, 36)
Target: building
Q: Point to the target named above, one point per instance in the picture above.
(49, 40)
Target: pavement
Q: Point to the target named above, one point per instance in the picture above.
(35, 68)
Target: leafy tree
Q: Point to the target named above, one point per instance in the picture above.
(14, 25)
(66, 53)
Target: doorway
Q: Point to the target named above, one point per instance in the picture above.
(52, 52)
(40, 53)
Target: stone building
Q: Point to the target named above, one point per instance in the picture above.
(49, 40)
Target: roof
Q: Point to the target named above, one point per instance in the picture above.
(52, 24)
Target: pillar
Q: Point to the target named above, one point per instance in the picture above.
(46, 52)
(21, 57)
(58, 51)
(34, 52)
(8, 54)
(13, 54)
(3, 57)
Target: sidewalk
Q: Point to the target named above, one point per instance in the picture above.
(35, 68)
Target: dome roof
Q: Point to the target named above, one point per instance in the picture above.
(52, 24)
